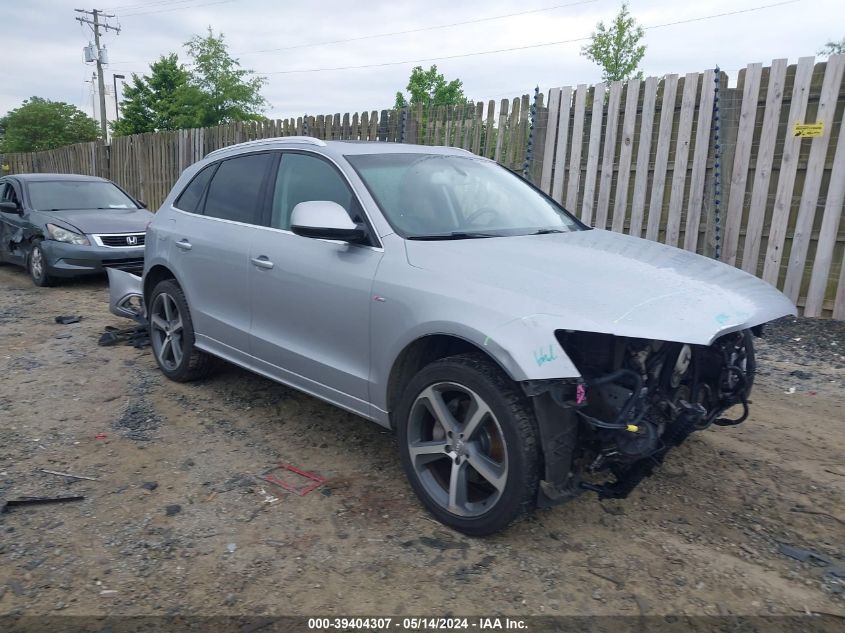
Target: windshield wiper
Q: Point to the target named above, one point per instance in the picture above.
(454, 235)
(546, 231)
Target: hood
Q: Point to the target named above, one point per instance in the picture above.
(600, 281)
(103, 220)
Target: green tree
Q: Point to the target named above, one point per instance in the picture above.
(833, 48)
(229, 92)
(163, 100)
(40, 124)
(431, 88)
(616, 48)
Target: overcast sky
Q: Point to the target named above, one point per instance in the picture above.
(42, 43)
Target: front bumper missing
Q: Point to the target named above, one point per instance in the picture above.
(126, 298)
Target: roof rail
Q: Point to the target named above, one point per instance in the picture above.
(308, 140)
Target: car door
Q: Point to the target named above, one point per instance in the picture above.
(311, 298)
(210, 250)
(11, 225)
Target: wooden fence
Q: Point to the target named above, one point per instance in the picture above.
(147, 165)
(683, 160)
(691, 163)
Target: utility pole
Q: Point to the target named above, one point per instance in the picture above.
(96, 25)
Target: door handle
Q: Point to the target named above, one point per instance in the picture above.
(262, 262)
(185, 245)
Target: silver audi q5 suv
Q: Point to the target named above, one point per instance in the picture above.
(521, 357)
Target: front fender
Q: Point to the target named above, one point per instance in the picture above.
(525, 348)
(533, 351)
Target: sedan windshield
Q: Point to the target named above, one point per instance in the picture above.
(57, 195)
(426, 196)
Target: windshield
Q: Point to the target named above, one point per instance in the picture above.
(426, 196)
(57, 195)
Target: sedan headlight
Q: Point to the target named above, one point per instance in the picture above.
(64, 235)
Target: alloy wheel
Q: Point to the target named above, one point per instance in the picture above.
(166, 331)
(457, 449)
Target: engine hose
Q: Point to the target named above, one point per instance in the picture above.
(740, 374)
(620, 421)
(612, 426)
(596, 382)
(601, 424)
(739, 420)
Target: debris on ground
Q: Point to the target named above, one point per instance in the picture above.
(68, 319)
(36, 501)
(139, 421)
(67, 475)
(316, 480)
(172, 509)
(137, 336)
(805, 555)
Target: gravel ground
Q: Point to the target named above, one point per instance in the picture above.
(179, 522)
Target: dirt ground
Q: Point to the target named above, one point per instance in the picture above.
(178, 522)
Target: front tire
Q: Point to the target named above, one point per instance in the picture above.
(469, 444)
(172, 335)
(36, 265)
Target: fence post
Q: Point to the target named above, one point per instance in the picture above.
(729, 102)
(529, 147)
(717, 169)
(382, 126)
(402, 123)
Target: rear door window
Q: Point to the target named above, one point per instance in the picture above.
(236, 190)
(190, 199)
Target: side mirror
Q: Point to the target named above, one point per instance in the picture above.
(325, 220)
(10, 207)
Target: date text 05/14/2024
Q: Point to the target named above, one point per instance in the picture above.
(416, 624)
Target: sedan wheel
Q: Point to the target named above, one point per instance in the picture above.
(37, 266)
(469, 444)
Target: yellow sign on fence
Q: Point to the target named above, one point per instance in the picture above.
(808, 130)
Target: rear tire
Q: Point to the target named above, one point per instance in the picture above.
(469, 444)
(172, 335)
(36, 265)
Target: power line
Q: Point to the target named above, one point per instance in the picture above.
(132, 7)
(721, 15)
(192, 6)
(517, 48)
(406, 32)
(421, 29)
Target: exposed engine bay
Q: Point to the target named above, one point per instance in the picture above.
(636, 400)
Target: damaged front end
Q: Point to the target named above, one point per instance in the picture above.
(636, 399)
(126, 298)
